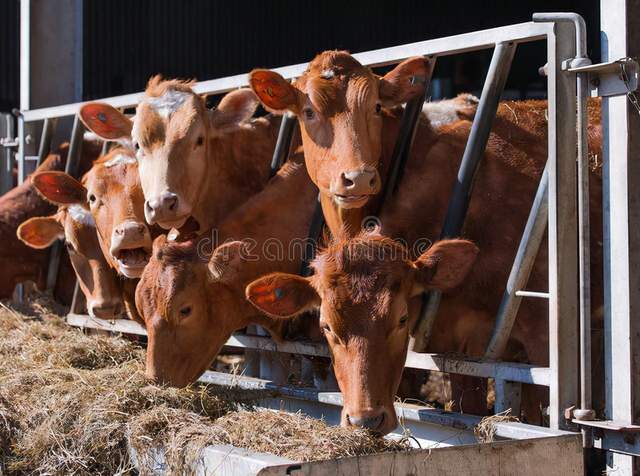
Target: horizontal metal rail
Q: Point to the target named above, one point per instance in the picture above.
(451, 45)
(406, 411)
(513, 372)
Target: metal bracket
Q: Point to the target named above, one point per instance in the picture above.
(608, 79)
(10, 142)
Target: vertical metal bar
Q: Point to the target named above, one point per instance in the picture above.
(6, 174)
(105, 147)
(45, 140)
(283, 144)
(563, 234)
(532, 236)
(508, 396)
(311, 245)
(406, 136)
(620, 37)
(72, 168)
(21, 149)
(474, 150)
(78, 300)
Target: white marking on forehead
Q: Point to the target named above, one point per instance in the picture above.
(120, 159)
(328, 74)
(168, 103)
(79, 214)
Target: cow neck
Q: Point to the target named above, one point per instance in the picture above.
(239, 164)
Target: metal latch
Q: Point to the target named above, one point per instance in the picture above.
(614, 78)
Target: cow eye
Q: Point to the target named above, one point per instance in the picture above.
(404, 319)
(378, 108)
(185, 311)
(199, 141)
(308, 113)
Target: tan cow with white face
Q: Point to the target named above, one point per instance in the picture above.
(363, 287)
(75, 225)
(193, 162)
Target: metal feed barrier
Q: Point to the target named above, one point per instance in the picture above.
(561, 203)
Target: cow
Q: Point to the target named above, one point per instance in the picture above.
(23, 263)
(194, 162)
(112, 194)
(348, 135)
(191, 294)
(75, 225)
(363, 287)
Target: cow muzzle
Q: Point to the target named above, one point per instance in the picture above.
(131, 248)
(378, 420)
(165, 210)
(353, 188)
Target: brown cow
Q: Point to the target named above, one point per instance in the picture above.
(194, 162)
(112, 192)
(192, 304)
(363, 288)
(344, 130)
(21, 262)
(75, 225)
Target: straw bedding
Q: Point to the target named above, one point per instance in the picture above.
(72, 404)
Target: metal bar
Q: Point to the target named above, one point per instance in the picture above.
(283, 144)
(513, 372)
(311, 245)
(474, 41)
(21, 149)
(473, 153)
(408, 412)
(532, 294)
(72, 168)
(563, 234)
(406, 136)
(532, 236)
(580, 27)
(78, 300)
(508, 396)
(106, 145)
(48, 129)
(6, 174)
(620, 37)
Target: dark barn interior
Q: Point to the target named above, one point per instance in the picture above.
(126, 42)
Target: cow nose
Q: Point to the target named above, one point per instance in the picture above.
(167, 202)
(359, 182)
(105, 310)
(369, 420)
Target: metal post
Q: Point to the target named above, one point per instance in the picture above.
(473, 153)
(620, 37)
(406, 135)
(534, 232)
(6, 174)
(45, 140)
(283, 144)
(72, 168)
(563, 226)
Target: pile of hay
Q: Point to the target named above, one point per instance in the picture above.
(72, 403)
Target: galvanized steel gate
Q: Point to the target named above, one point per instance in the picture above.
(561, 202)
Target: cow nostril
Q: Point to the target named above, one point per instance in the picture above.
(372, 182)
(347, 182)
(147, 206)
(370, 422)
(119, 231)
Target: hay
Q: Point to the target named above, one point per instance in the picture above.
(72, 404)
(485, 431)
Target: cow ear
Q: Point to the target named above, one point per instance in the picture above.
(282, 295)
(404, 82)
(235, 108)
(40, 232)
(274, 92)
(59, 188)
(226, 261)
(105, 121)
(444, 266)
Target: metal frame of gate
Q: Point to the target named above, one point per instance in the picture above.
(557, 203)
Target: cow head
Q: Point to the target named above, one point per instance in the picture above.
(190, 307)
(172, 133)
(75, 225)
(111, 190)
(363, 287)
(339, 107)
